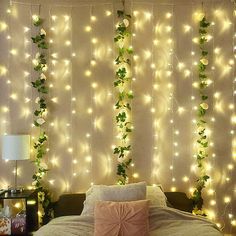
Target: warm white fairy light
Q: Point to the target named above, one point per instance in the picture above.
(94, 40)
(14, 52)
(93, 18)
(88, 28)
(187, 28)
(68, 43)
(108, 13)
(54, 17)
(3, 26)
(181, 110)
(168, 15)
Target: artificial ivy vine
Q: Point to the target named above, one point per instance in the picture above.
(202, 141)
(124, 96)
(40, 67)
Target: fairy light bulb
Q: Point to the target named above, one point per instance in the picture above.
(88, 73)
(93, 18)
(54, 17)
(108, 13)
(93, 62)
(168, 15)
(227, 199)
(173, 189)
(187, 28)
(88, 28)
(181, 110)
(94, 40)
(66, 17)
(135, 175)
(68, 43)
(148, 15)
(68, 87)
(13, 51)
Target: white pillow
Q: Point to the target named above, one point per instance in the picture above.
(118, 193)
(156, 196)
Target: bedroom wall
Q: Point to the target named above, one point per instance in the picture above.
(80, 122)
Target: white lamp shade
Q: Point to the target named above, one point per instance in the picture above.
(16, 147)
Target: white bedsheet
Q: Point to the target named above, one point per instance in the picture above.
(164, 221)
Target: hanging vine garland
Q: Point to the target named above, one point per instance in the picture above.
(202, 141)
(124, 96)
(40, 66)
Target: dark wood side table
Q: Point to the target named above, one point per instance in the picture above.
(31, 204)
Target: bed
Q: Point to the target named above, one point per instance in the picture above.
(175, 219)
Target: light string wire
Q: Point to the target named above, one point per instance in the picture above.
(172, 104)
(61, 5)
(192, 147)
(31, 70)
(10, 37)
(26, 78)
(233, 139)
(154, 138)
(228, 205)
(71, 91)
(211, 180)
(114, 128)
(50, 92)
(132, 165)
(8, 75)
(92, 48)
(47, 147)
(73, 96)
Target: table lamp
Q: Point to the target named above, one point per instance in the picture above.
(16, 148)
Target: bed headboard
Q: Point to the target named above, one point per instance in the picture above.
(72, 204)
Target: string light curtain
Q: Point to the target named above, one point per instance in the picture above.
(80, 122)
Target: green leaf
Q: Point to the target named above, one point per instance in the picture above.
(205, 177)
(128, 106)
(204, 53)
(117, 38)
(130, 50)
(202, 40)
(204, 23)
(120, 13)
(121, 73)
(121, 96)
(130, 95)
(121, 117)
(116, 150)
(128, 130)
(37, 112)
(202, 76)
(43, 89)
(43, 45)
(202, 31)
(38, 23)
(36, 124)
(117, 83)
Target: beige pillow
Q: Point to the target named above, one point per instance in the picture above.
(121, 218)
(118, 193)
(156, 196)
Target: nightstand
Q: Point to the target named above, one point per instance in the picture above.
(30, 198)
